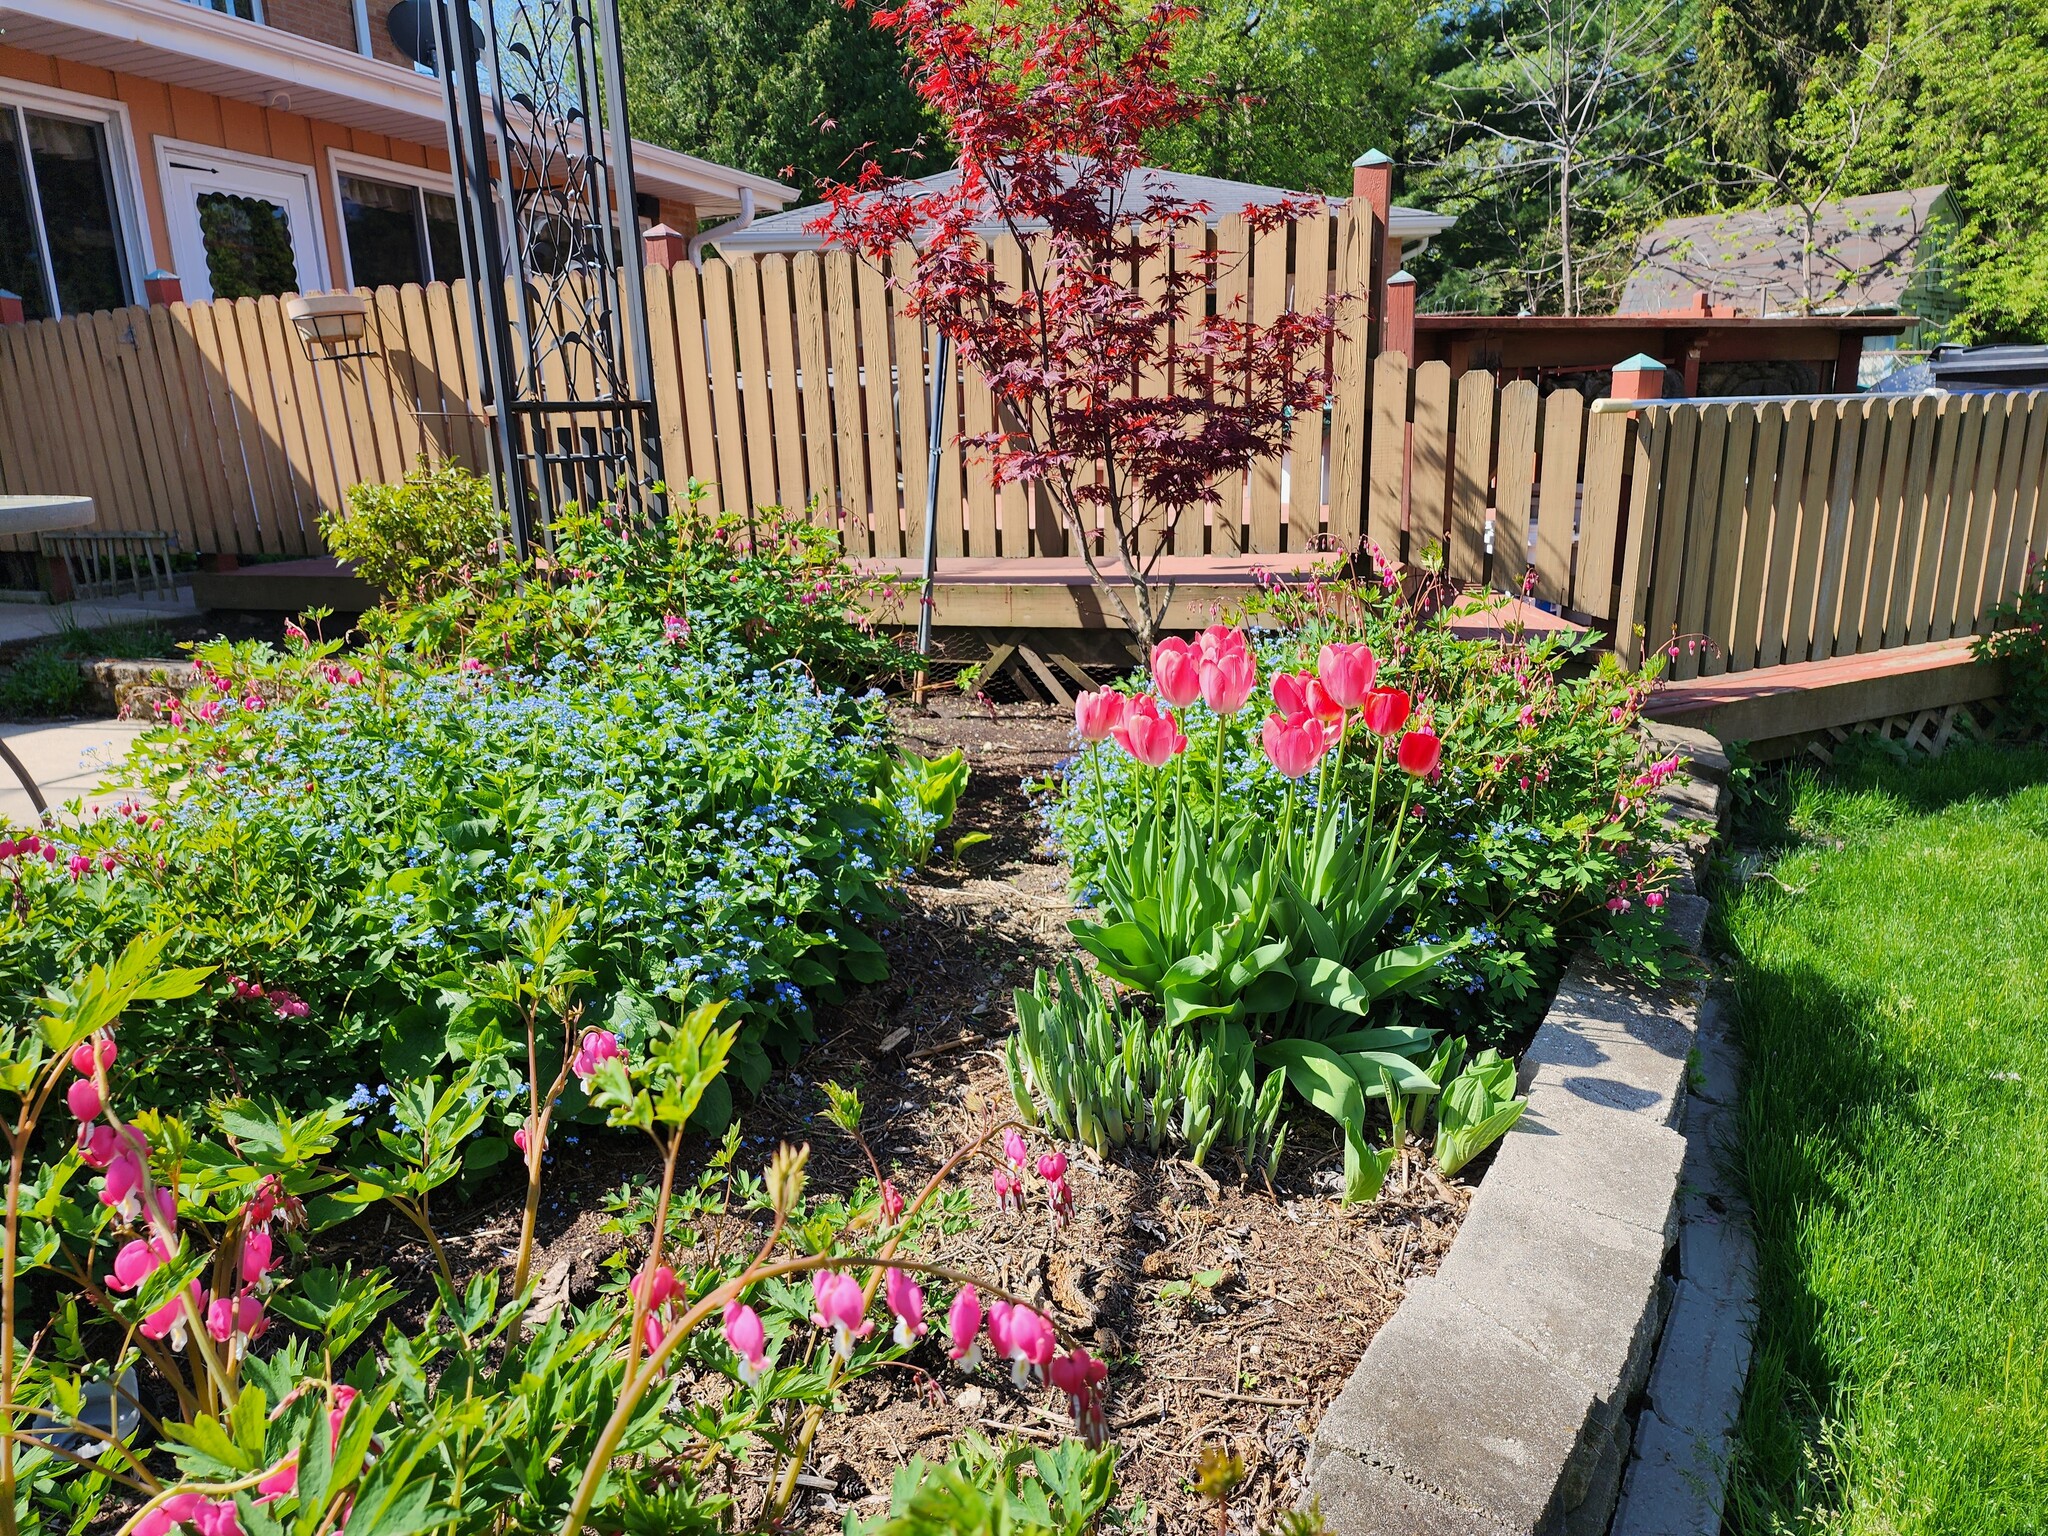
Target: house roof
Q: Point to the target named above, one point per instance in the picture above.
(1865, 250)
(785, 231)
(200, 49)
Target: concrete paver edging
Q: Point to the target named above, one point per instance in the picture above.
(1598, 1300)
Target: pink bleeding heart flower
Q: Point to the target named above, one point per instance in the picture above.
(1177, 671)
(1025, 1339)
(1228, 680)
(1150, 737)
(82, 1054)
(523, 1141)
(84, 1098)
(343, 1397)
(842, 1307)
(1016, 1149)
(283, 1479)
(1009, 1189)
(1347, 673)
(234, 1317)
(963, 1323)
(1097, 714)
(259, 1257)
(1293, 746)
(748, 1339)
(217, 1517)
(135, 1263)
(597, 1046)
(179, 1509)
(1653, 899)
(1083, 1379)
(1053, 1169)
(121, 1186)
(675, 627)
(1617, 903)
(663, 1288)
(892, 1203)
(906, 1300)
(168, 1320)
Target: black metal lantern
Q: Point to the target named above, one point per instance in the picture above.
(543, 156)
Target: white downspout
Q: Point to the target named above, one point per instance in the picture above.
(730, 226)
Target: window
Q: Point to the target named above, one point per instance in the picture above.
(398, 233)
(60, 226)
(248, 10)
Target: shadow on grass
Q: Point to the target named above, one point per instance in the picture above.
(1869, 787)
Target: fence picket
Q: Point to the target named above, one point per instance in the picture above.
(1305, 491)
(1564, 419)
(1429, 459)
(2026, 503)
(1731, 533)
(1390, 376)
(1472, 477)
(1268, 299)
(1702, 514)
(756, 410)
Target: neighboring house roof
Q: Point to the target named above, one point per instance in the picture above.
(202, 50)
(1866, 252)
(785, 231)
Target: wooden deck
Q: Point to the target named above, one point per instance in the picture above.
(1775, 704)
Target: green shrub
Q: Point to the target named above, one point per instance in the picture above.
(768, 581)
(419, 538)
(42, 681)
(355, 851)
(2019, 638)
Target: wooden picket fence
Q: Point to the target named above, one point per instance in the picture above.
(1785, 531)
(1778, 532)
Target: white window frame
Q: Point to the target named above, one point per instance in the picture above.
(166, 149)
(122, 163)
(342, 162)
(255, 6)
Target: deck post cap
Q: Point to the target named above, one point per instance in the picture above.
(1372, 157)
(1402, 277)
(1642, 362)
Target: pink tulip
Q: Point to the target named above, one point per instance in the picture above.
(1150, 737)
(1420, 752)
(1227, 681)
(1097, 714)
(1294, 747)
(1347, 672)
(1220, 640)
(749, 1340)
(1298, 694)
(842, 1308)
(1083, 1380)
(1177, 670)
(597, 1045)
(84, 1098)
(963, 1322)
(1386, 710)
(906, 1299)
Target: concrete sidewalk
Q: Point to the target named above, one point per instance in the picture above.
(66, 760)
(36, 621)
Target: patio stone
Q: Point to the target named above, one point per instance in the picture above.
(1364, 1500)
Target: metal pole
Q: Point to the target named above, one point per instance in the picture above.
(931, 501)
(628, 220)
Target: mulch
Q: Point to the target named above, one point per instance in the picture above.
(1232, 1309)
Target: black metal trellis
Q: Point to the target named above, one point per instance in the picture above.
(543, 156)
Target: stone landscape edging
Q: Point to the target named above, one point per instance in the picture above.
(1498, 1399)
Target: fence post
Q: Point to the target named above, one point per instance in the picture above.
(1372, 183)
(1401, 316)
(665, 247)
(161, 287)
(1640, 378)
(11, 310)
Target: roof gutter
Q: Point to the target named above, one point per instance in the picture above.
(731, 226)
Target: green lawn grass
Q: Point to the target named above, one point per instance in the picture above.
(1892, 972)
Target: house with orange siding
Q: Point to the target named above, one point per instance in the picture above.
(161, 149)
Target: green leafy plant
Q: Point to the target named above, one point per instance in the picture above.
(422, 537)
(1106, 1077)
(1477, 1108)
(1009, 1490)
(42, 681)
(918, 800)
(2019, 639)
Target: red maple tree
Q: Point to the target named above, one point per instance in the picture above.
(1127, 390)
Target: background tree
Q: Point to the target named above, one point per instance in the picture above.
(1547, 136)
(796, 89)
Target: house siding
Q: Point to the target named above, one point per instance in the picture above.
(158, 111)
